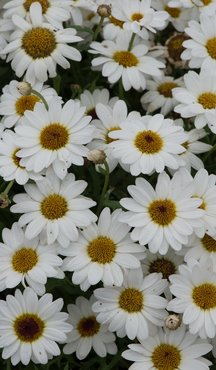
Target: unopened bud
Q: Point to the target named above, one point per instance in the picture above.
(24, 88)
(96, 156)
(4, 200)
(104, 10)
(172, 322)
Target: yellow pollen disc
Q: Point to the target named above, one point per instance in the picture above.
(28, 327)
(206, 2)
(207, 100)
(211, 47)
(166, 357)
(175, 47)
(15, 159)
(54, 206)
(173, 12)
(185, 144)
(162, 212)
(125, 59)
(101, 250)
(131, 300)
(54, 136)
(109, 139)
(165, 89)
(26, 103)
(39, 42)
(44, 4)
(24, 260)
(88, 326)
(209, 243)
(164, 266)
(148, 142)
(137, 17)
(204, 296)
(116, 22)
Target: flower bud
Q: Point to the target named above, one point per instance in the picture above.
(24, 88)
(96, 156)
(4, 200)
(104, 10)
(172, 322)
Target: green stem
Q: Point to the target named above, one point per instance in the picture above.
(98, 28)
(8, 187)
(41, 98)
(106, 183)
(113, 363)
(131, 42)
(8, 365)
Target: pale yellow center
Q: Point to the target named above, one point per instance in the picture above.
(125, 58)
(148, 142)
(211, 47)
(26, 103)
(88, 326)
(54, 137)
(54, 207)
(207, 100)
(131, 300)
(166, 357)
(162, 212)
(102, 250)
(204, 296)
(28, 327)
(24, 260)
(44, 4)
(39, 42)
(165, 89)
(137, 17)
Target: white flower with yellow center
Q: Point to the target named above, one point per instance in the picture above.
(30, 327)
(200, 49)
(207, 7)
(54, 12)
(90, 100)
(26, 261)
(159, 94)
(87, 333)
(135, 309)
(54, 209)
(202, 249)
(102, 253)
(36, 47)
(13, 105)
(169, 350)
(165, 216)
(195, 290)
(117, 62)
(197, 98)
(148, 144)
(55, 137)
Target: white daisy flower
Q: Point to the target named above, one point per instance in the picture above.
(26, 261)
(102, 252)
(13, 105)
(159, 94)
(54, 209)
(117, 62)
(200, 6)
(165, 216)
(54, 11)
(169, 350)
(195, 290)
(200, 49)
(197, 98)
(112, 28)
(30, 327)
(110, 118)
(135, 309)
(55, 137)
(90, 100)
(148, 144)
(36, 47)
(202, 249)
(10, 168)
(87, 333)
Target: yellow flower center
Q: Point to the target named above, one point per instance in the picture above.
(166, 357)
(54, 136)
(116, 22)
(101, 250)
(26, 103)
(162, 212)
(206, 2)
(131, 300)
(39, 42)
(28, 327)
(54, 206)
(207, 100)
(88, 326)
(173, 12)
(209, 243)
(175, 47)
(24, 260)
(125, 59)
(211, 47)
(165, 89)
(109, 139)
(148, 142)
(44, 4)
(204, 296)
(15, 159)
(137, 17)
(163, 265)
